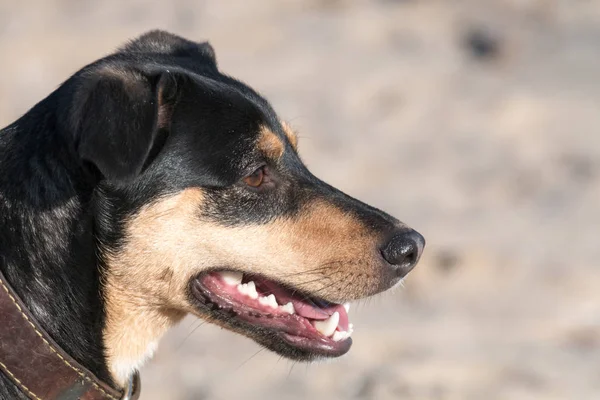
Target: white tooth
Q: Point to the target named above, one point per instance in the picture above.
(347, 306)
(272, 301)
(251, 292)
(232, 278)
(337, 336)
(350, 327)
(269, 300)
(328, 326)
(242, 288)
(263, 300)
(288, 308)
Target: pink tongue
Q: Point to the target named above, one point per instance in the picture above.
(305, 308)
(309, 311)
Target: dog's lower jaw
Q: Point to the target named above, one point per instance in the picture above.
(132, 333)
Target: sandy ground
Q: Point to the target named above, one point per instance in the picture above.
(491, 150)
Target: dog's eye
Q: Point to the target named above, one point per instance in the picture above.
(256, 178)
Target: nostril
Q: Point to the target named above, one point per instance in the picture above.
(411, 255)
(403, 251)
(400, 252)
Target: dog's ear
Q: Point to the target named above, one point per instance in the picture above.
(119, 117)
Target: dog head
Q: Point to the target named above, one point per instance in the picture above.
(203, 206)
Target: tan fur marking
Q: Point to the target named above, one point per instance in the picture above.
(291, 135)
(143, 297)
(270, 144)
(322, 250)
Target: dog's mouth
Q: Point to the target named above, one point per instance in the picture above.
(287, 321)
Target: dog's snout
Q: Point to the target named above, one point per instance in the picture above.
(403, 251)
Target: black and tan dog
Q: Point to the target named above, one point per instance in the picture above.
(149, 186)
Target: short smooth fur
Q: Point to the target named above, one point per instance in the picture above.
(129, 181)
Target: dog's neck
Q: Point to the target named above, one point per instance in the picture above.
(134, 321)
(46, 239)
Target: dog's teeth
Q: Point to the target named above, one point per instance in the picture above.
(243, 288)
(251, 291)
(347, 306)
(351, 327)
(263, 300)
(288, 308)
(268, 301)
(341, 335)
(328, 326)
(232, 278)
(338, 336)
(272, 301)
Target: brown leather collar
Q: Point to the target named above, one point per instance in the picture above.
(38, 366)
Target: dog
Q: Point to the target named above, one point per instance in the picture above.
(150, 186)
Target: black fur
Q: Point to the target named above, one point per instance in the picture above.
(65, 164)
(149, 120)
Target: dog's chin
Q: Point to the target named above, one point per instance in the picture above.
(289, 322)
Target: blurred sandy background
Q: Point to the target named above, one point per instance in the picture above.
(476, 121)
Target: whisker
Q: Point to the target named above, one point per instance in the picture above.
(202, 322)
(299, 285)
(315, 280)
(290, 371)
(319, 268)
(350, 281)
(321, 289)
(250, 358)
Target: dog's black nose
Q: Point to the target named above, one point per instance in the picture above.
(403, 251)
